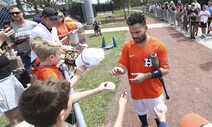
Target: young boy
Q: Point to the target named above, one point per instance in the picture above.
(203, 15)
(49, 56)
(48, 103)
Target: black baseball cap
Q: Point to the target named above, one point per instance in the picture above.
(50, 13)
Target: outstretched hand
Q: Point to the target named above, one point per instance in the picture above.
(117, 71)
(123, 100)
(103, 86)
(139, 77)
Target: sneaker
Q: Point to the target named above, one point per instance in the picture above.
(201, 36)
(193, 37)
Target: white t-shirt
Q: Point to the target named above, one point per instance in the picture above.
(204, 16)
(41, 31)
(197, 5)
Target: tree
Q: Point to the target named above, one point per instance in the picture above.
(123, 4)
(35, 4)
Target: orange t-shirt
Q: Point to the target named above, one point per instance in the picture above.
(136, 60)
(45, 72)
(70, 24)
(61, 30)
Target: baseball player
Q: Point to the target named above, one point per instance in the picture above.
(146, 89)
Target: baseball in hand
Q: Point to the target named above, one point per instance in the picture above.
(111, 86)
(161, 107)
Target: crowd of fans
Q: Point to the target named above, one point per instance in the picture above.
(33, 91)
(196, 15)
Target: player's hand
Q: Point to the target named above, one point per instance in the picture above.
(139, 77)
(117, 71)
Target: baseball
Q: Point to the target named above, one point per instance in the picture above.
(161, 107)
(111, 86)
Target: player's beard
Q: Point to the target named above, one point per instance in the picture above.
(141, 39)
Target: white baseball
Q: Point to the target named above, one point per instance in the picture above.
(161, 107)
(111, 86)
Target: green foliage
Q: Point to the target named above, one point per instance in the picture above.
(4, 122)
(35, 4)
(95, 109)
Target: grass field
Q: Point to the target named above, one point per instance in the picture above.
(95, 108)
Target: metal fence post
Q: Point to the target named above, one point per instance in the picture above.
(76, 106)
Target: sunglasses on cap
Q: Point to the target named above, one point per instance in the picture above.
(17, 13)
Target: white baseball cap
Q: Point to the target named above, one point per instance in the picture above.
(90, 56)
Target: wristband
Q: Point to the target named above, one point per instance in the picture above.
(156, 73)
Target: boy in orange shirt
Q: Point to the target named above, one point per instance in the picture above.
(146, 88)
(49, 56)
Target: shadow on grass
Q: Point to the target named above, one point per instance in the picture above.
(93, 36)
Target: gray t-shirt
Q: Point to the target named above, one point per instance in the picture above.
(21, 35)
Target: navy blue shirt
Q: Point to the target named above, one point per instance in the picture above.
(190, 11)
(37, 19)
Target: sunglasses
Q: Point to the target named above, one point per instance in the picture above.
(13, 13)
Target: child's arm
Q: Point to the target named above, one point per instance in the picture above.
(81, 95)
(122, 104)
(78, 74)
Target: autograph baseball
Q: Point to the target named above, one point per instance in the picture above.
(161, 107)
(111, 86)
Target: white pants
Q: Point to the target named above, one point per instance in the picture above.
(144, 106)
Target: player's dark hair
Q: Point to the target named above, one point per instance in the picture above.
(41, 103)
(135, 18)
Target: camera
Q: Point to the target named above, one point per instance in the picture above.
(7, 24)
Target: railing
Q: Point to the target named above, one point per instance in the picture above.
(77, 36)
(76, 106)
(178, 20)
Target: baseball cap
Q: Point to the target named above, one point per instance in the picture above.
(50, 13)
(193, 120)
(90, 56)
(204, 6)
(192, 4)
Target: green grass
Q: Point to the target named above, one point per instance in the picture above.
(95, 108)
(4, 122)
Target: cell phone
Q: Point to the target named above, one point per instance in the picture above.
(7, 24)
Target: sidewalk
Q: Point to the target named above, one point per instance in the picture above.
(207, 42)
